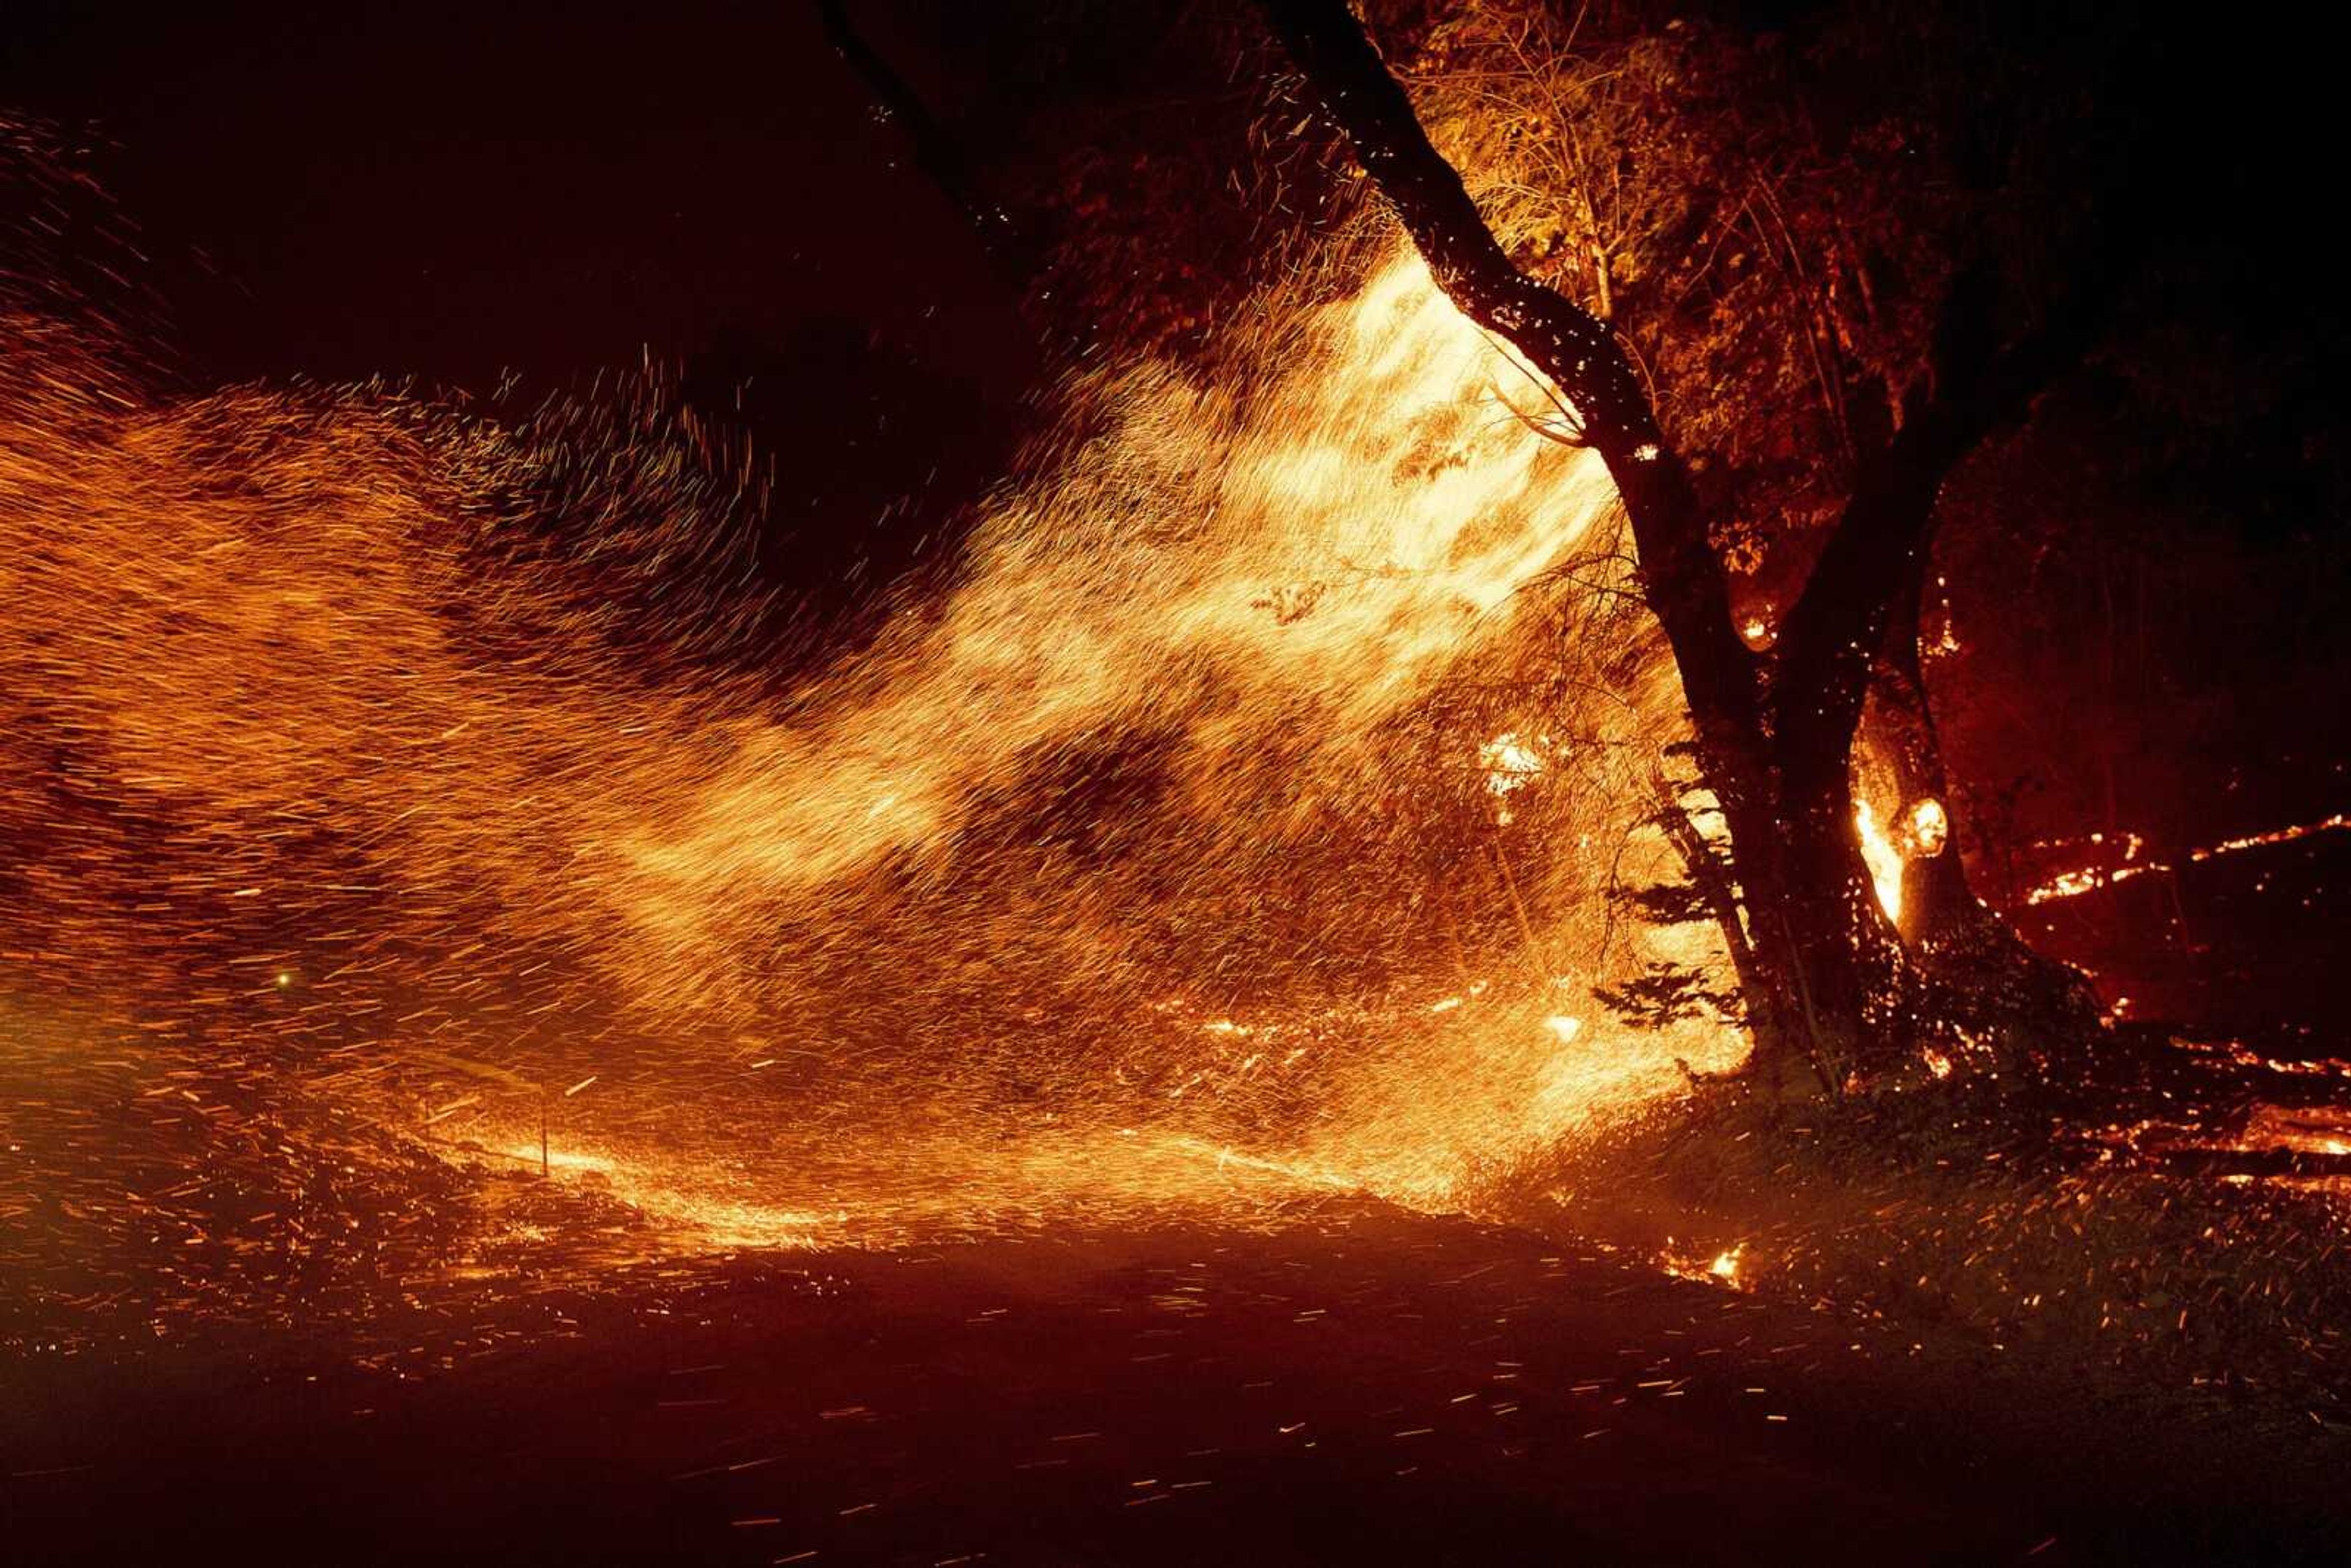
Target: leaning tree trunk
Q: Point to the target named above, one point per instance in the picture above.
(1808, 967)
(1786, 1033)
(1777, 752)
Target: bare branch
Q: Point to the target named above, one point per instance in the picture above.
(935, 153)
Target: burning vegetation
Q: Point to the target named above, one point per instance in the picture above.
(382, 765)
(1358, 747)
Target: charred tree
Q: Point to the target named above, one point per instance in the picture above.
(1828, 975)
(1978, 973)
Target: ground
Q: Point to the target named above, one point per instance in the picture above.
(1355, 1385)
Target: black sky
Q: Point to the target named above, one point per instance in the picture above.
(446, 191)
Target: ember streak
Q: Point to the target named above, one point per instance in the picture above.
(2074, 883)
(347, 804)
(1232, 905)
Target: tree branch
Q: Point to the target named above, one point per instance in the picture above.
(1829, 640)
(1359, 96)
(1580, 353)
(935, 153)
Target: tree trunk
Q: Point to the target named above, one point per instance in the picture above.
(1783, 1027)
(1777, 756)
(1979, 975)
(1902, 755)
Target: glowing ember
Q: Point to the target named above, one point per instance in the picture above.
(375, 809)
(2315, 1130)
(1930, 829)
(1510, 764)
(2073, 883)
(1722, 1268)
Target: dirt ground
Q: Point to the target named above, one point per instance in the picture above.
(1360, 1386)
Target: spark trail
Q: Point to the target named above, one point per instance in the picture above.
(376, 765)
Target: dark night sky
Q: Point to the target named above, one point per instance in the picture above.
(446, 190)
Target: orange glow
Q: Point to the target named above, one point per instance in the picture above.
(1144, 861)
(2088, 878)
(1723, 1268)
(1930, 829)
(1883, 859)
(1510, 764)
(1919, 832)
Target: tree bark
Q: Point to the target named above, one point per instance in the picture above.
(1778, 759)
(1978, 971)
(1898, 730)
(1785, 1030)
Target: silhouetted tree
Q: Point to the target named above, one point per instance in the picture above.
(1831, 980)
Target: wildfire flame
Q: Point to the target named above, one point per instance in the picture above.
(337, 788)
(1883, 858)
(1930, 826)
(2088, 878)
(1921, 833)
